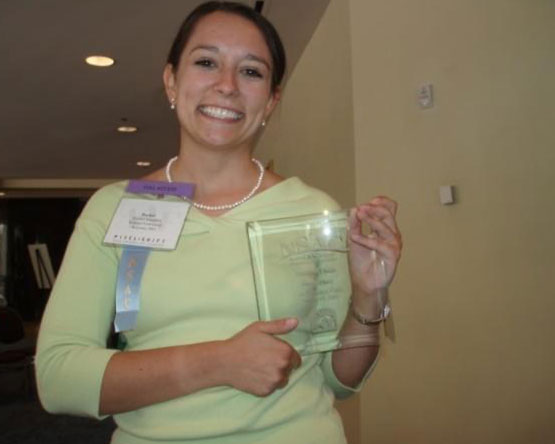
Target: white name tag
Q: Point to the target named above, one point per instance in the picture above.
(147, 223)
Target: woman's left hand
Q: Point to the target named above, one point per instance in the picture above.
(368, 254)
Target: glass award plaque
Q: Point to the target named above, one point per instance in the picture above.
(301, 270)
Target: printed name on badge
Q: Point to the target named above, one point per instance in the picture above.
(154, 224)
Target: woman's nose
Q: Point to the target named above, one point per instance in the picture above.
(227, 83)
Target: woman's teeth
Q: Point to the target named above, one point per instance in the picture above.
(220, 113)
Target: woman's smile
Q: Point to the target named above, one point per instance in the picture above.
(221, 113)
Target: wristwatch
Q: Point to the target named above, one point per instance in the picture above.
(366, 321)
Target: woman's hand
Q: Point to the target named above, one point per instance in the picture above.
(373, 259)
(256, 361)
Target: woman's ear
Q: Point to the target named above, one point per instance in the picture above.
(169, 82)
(274, 99)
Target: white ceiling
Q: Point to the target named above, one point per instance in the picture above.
(58, 115)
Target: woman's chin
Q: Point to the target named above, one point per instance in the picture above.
(224, 139)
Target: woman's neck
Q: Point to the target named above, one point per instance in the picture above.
(220, 176)
(215, 172)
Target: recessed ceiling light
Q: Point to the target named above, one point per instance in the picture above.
(2, 194)
(127, 129)
(99, 60)
(143, 163)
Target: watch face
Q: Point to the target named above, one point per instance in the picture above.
(386, 311)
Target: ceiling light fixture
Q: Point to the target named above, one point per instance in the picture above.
(127, 129)
(143, 163)
(2, 194)
(100, 61)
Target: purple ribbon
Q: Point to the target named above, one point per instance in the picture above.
(183, 189)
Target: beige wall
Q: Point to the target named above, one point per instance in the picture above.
(474, 299)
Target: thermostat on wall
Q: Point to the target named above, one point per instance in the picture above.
(446, 194)
(426, 96)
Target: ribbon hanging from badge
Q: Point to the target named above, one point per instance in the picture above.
(130, 273)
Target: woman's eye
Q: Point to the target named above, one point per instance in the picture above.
(251, 72)
(206, 63)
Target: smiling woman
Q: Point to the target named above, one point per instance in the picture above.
(221, 87)
(197, 366)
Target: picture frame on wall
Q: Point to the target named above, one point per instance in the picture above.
(42, 265)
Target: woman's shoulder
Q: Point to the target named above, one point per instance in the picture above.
(311, 196)
(291, 197)
(104, 201)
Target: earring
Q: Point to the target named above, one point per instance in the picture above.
(172, 103)
(263, 124)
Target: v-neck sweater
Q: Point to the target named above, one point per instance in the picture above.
(201, 291)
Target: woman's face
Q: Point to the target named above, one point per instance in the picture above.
(222, 87)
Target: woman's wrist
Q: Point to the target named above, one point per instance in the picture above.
(369, 307)
(205, 362)
(355, 334)
(373, 319)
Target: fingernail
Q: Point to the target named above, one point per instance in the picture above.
(291, 322)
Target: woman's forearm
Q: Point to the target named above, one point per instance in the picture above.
(254, 360)
(351, 364)
(135, 379)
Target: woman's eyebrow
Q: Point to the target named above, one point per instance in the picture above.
(205, 47)
(258, 59)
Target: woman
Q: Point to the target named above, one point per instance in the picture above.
(198, 367)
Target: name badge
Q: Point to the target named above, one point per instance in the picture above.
(154, 224)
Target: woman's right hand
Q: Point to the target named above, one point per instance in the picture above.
(258, 362)
(254, 361)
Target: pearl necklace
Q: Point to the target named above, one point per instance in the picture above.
(202, 206)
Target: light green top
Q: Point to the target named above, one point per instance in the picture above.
(202, 291)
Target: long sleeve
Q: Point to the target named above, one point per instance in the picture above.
(341, 390)
(71, 352)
